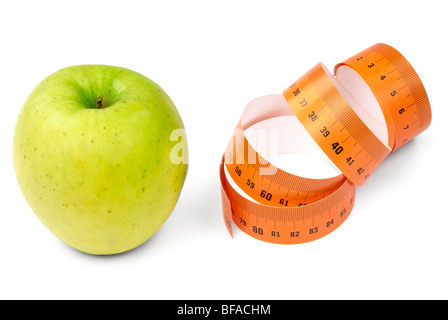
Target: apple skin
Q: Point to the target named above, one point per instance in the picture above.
(101, 180)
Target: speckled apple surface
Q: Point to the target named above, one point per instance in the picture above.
(91, 152)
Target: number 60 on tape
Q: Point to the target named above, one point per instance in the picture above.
(289, 172)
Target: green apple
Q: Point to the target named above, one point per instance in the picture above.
(100, 155)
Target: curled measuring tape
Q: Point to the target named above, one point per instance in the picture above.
(352, 120)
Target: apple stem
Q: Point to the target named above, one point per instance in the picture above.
(99, 102)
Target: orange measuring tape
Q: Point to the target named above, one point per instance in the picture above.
(372, 105)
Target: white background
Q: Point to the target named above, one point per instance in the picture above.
(212, 58)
